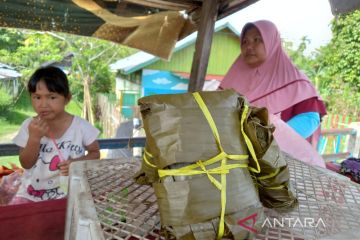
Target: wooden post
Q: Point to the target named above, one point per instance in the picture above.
(208, 17)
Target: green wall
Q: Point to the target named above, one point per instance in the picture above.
(224, 50)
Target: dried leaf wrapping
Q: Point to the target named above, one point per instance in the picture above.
(274, 179)
(179, 135)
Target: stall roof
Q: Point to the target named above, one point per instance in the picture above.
(153, 26)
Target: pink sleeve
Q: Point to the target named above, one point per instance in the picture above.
(292, 143)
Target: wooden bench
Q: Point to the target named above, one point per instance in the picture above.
(339, 137)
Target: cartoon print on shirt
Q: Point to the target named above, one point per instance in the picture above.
(41, 189)
(42, 180)
(55, 160)
(54, 163)
(47, 189)
(44, 194)
(62, 146)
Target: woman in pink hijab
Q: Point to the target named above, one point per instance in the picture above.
(266, 76)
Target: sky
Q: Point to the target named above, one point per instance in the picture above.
(294, 19)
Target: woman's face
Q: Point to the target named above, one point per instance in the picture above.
(253, 48)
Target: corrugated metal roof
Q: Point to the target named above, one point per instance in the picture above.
(141, 59)
(7, 71)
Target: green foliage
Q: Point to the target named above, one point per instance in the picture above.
(10, 39)
(335, 68)
(91, 66)
(300, 59)
(10, 121)
(98, 125)
(38, 49)
(7, 161)
(74, 108)
(91, 60)
(27, 50)
(12, 117)
(18, 116)
(23, 101)
(5, 100)
(32, 50)
(339, 60)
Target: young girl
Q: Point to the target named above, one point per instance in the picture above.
(52, 140)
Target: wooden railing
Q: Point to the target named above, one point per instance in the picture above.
(345, 136)
(331, 121)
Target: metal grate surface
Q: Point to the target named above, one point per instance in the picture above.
(328, 204)
(125, 209)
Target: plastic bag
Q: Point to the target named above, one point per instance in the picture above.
(351, 167)
(9, 186)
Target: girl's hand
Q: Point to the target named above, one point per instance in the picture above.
(64, 167)
(38, 128)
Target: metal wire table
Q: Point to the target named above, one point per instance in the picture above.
(105, 203)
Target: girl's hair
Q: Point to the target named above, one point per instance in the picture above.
(54, 78)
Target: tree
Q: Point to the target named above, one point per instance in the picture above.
(300, 59)
(339, 60)
(90, 72)
(27, 50)
(10, 39)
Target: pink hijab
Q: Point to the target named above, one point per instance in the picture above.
(277, 84)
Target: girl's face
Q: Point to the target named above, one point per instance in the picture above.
(253, 48)
(48, 105)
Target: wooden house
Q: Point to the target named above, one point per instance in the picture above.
(9, 79)
(143, 74)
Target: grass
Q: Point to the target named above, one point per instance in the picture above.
(5, 161)
(6, 129)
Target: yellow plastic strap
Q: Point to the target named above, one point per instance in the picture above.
(209, 118)
(269, 175)
(188, 172)
(275, 187)
(201, 165)
(247, 140)
(146, 159)
(208, 173)
(217, 158)
(212, 124)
